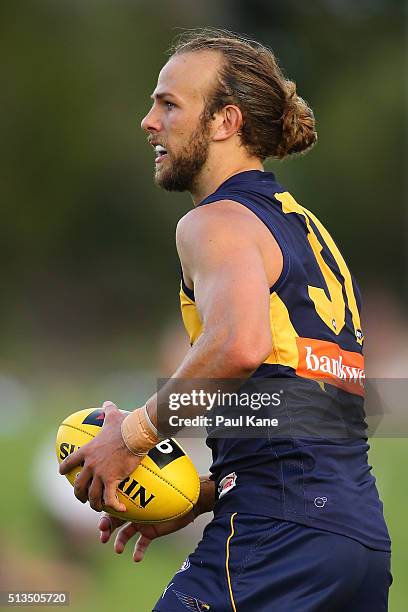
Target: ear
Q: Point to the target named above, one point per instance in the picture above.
(229, 121)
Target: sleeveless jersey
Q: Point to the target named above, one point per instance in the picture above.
(316, 479)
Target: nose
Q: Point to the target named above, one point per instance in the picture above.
(151, 121)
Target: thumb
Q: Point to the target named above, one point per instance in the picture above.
(110, 497)
(109, 409)
(108, 406)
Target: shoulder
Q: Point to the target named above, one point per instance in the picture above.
(223, 219)
(226, 230)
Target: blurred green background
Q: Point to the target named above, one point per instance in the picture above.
(89, 270)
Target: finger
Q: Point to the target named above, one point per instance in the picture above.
(95, 494)
(140, 547)
(124, 535)
(73, 460)
(110, 497)
(81, 484)
(107, 526)
(107, 521)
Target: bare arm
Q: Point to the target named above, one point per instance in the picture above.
(222, 251)
(221, 255)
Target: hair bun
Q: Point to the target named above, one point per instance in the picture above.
(276, 121)
(298, 125)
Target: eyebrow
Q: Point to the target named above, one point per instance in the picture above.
(163, 94)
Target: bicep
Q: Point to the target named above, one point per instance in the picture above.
(232, 292)
(226, 266)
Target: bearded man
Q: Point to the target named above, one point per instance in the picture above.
(266, 294)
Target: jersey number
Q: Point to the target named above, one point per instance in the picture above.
(332, 310)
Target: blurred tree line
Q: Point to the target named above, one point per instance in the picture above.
(87, 241)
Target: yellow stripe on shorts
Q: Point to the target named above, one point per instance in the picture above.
(227, 562)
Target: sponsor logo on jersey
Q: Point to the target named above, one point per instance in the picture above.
(328, 362)
(226, 484)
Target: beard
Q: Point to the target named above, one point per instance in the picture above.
(183, 169)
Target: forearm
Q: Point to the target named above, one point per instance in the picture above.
(213, 361)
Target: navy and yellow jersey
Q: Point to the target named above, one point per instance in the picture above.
(316, 336)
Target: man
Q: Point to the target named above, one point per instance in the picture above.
(266, 294)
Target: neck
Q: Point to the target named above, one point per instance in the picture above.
(214, 174)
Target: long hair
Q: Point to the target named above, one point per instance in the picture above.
(276, 121)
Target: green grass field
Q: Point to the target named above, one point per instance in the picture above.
(36, 554)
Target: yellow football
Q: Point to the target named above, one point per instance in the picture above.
(164, 486)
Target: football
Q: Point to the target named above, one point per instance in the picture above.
(164, 486)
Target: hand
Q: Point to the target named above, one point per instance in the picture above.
(106, 462)
(108, 524)
(148, 533)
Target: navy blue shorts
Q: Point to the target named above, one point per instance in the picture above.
(247, 563)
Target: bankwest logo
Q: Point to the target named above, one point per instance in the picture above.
(326, 361)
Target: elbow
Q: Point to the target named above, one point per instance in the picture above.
(246, 357)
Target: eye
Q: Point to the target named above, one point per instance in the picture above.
(169, 105)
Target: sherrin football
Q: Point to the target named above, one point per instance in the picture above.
(164, 486)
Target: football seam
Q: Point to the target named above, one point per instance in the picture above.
(169, 483)
(149, 470)
(78, 429)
